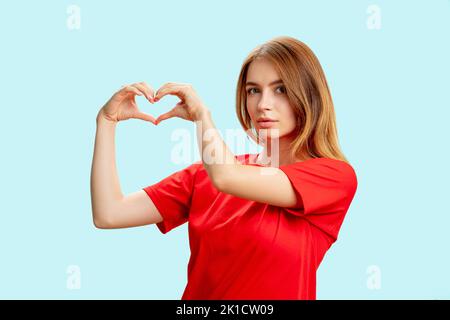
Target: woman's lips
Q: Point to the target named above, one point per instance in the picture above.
(267, 124)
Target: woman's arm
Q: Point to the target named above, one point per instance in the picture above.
(110, 208)
(105, 187)
(217, 158)
(262, 184)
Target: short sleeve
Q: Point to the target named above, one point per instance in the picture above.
(326, 187)
(172, 197)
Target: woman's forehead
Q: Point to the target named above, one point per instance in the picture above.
(262, 71)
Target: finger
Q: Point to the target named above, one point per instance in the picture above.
(124, 91)
(139, 88)
(148, 91)
(165, 116)
(160, 91)
(170, 88)
(146, 117)
(132, 90)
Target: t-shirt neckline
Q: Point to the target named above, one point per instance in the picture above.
(254, 155)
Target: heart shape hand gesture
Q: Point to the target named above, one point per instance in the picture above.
(122, 105)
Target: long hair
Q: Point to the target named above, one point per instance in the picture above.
(307, 91)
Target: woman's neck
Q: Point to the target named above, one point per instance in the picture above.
(280, 158)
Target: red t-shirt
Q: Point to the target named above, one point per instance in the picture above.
(242, 249)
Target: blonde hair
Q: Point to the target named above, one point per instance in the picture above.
(308, 93)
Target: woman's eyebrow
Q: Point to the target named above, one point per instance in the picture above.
(251, 83)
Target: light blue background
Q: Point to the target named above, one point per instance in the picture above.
(390, 88)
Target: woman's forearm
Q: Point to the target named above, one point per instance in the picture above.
(105, 186)
(217, 158)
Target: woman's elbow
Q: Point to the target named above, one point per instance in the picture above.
(219, 182)
(102, 222)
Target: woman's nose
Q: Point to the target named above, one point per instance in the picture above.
(266, 101)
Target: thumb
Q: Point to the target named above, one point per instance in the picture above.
(165, 116)
(146, 117)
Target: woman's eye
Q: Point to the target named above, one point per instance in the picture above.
(282, 87)
(249, 91)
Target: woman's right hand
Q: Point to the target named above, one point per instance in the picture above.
(122, 106)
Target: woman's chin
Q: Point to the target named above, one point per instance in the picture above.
(269, 133)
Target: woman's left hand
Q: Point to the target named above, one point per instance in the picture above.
(189, 108)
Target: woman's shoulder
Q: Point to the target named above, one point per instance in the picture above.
(329, 171)
(338, 169)
(329, 162)
(321, 160)
(323, 166)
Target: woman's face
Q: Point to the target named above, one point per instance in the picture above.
(266, 98)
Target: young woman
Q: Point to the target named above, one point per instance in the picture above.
(252, 235)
